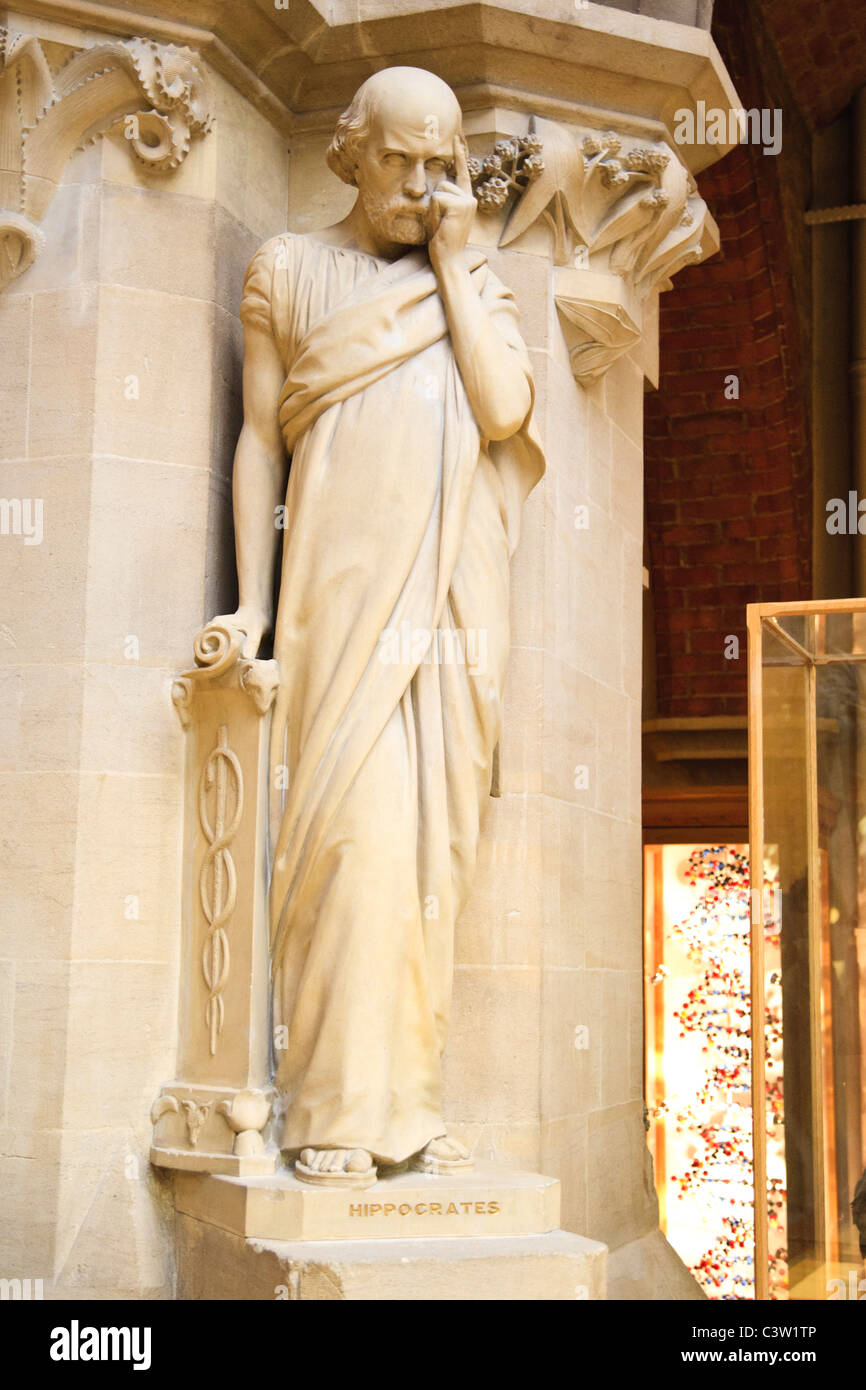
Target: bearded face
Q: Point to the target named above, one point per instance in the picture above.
(405, 156)
(393, 217)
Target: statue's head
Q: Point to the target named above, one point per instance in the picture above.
(395, 144)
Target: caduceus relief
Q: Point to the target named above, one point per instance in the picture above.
(221, 782)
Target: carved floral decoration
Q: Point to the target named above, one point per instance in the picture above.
(511, 168)
(627, 211)
(159, 92)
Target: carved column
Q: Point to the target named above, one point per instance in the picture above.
(215, 1117)
(120, 383)
(586, 225)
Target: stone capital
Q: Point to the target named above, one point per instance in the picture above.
(604, 89)
(301, 61)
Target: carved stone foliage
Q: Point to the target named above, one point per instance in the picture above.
(601, 322)
(247, 1113)
(510, 169)
(622, 215)
(158, 91)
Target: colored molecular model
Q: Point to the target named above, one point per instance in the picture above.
(715, 936)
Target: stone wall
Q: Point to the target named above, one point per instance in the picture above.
(548, 949)
(120, 410)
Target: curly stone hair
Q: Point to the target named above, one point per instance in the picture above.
(352, 129)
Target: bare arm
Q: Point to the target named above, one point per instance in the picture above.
(258, 488)
(494, 378)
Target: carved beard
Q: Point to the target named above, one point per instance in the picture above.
(393, 219)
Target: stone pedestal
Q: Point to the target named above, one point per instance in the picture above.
(490, 1201)
(553, 1268)
(216, 1118)
(492, 1234)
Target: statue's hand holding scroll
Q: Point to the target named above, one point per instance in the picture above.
(246, 620)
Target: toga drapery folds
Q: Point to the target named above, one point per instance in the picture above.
(391, 636)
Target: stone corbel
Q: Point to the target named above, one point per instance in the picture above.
(158, 91)
(216, 1117)
(621, 215)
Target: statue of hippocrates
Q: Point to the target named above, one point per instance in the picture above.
(387, 421)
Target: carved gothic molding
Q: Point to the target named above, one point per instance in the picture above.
(159, 92)
(602, 321)
(621, 215)
(299, 62)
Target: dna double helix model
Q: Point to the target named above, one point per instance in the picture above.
(221, 783)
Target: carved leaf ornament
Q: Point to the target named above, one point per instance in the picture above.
(628, 211)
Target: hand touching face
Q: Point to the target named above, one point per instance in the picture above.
(452, 208)
(400, 174)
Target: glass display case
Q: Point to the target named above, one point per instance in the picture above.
(807, 811)
(697, 1031)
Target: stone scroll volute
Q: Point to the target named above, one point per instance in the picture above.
(158, 93)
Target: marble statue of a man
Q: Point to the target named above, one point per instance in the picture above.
(383, 357)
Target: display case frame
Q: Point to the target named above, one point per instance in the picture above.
(809, 652)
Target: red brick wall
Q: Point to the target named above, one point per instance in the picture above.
(728, 482)
(822, 50)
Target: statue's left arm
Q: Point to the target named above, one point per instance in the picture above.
(493, 374)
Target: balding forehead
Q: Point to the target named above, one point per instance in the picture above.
(413, 105)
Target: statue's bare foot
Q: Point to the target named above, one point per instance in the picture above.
(441, 1157)
(336, 1167)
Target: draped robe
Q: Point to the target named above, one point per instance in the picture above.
(399, 524)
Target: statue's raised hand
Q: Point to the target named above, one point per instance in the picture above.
(452, 208)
